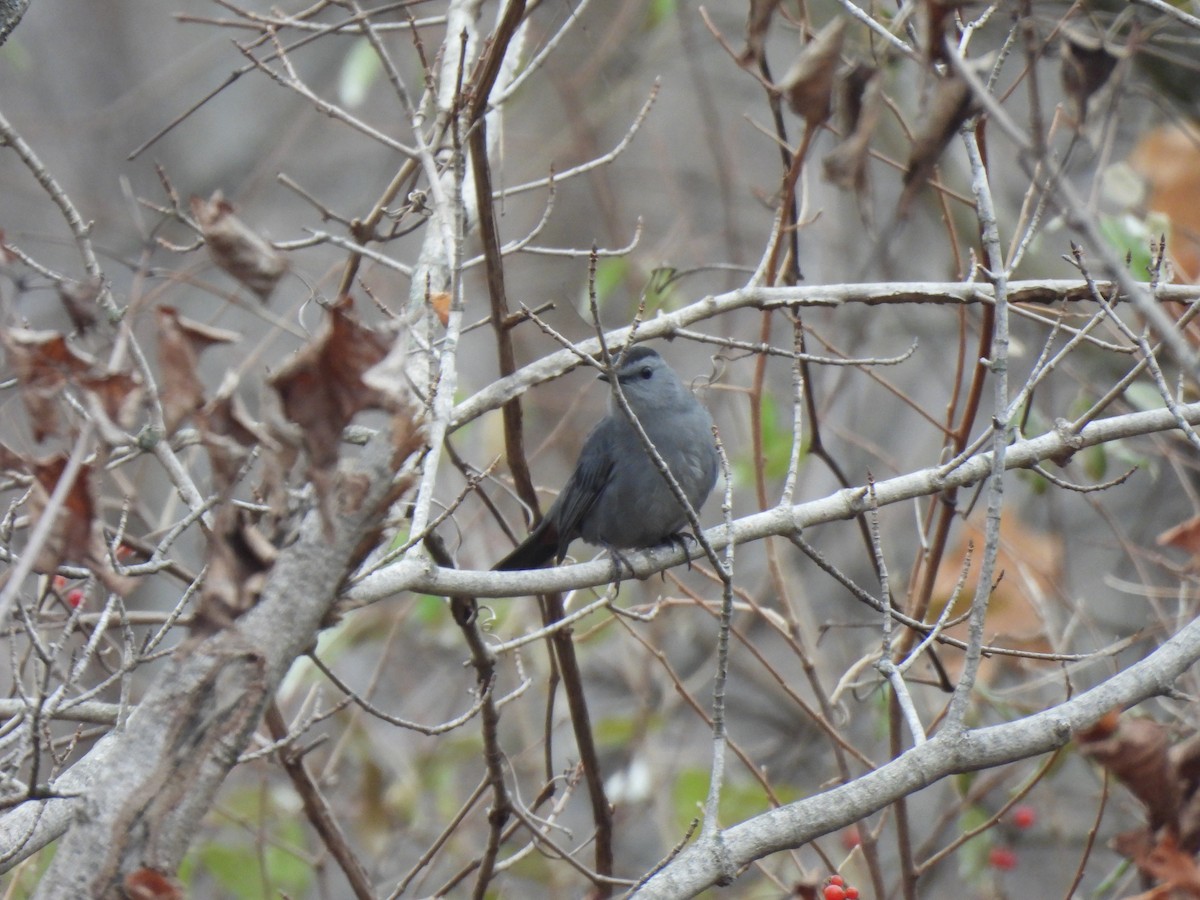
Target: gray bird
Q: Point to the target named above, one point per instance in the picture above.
(616, 497)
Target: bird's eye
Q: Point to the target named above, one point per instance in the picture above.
(646, 372)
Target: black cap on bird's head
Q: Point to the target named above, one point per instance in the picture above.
(634, 355)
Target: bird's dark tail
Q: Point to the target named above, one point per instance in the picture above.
(532, 553)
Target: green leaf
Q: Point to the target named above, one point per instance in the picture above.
(739, 799)
(234, 868)
(242, 868)
(658, 12)
(688, 794)
(609, 275)
(28, 875)
(1130, 236)
(1095, 462)
(360, 68)
(399, 539)
(659, 291)
(621, 731)
(972, 856)
(287, 873)
(776, 443)
(430, 610)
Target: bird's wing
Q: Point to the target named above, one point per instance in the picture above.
(592, 474)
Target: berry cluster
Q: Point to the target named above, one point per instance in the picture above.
(837, 889)
(73, 597)
(1003, 858)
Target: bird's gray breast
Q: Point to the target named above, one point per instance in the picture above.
(637, 507)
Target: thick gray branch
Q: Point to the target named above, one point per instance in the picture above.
(424, 577)
(10, 14)
(665, 325)
(137, 797)
(795, 824)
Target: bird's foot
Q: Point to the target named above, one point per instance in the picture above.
(680, 539)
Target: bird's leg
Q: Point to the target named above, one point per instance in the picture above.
(618, 560)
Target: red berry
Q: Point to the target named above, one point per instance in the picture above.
(835, 892)
(835, 879)
(851, 838)
(851, 893)
(74, 597)
(1024, 816)
(60, 582)
(1002, 858)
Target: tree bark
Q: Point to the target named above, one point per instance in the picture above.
(10, 15)
(149, 784)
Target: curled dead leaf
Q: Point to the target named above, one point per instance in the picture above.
(240, 558)
(950, 105)
(150, 884)
(1087, 64)
(938, 20)
(228, 431)
(861, 93)
(440, 303)
(236, 248)
(1136, 753)
(808, 84)
(44, 363)
(322, 387)
(1168, 159)
(1184, 536)
(1184, 758)
(758, 23)
(79, 300)
(118, 395)
(11, 460)
(180, 342)
(76, 535)
(1162, 861)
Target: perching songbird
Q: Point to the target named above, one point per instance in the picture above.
(616, 497)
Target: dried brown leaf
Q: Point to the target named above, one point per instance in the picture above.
(440, 303)
(1136, 753)
(236, 248)
(150, 884)
(951, 104)
(1087, 64)
(227, 431)
(44, 363)
(180, 342)
(1105, 726)
(79, 300)
(11, 460)
(1030, 564)
(324, 386)
(1185, 763)
(758, 23)
(1162, 861)
(240, 558)
(75, 536)
(862, 101)
(119, 395)
(1184, 536)
(1168, 158)
(808, 84)
(938, 18)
